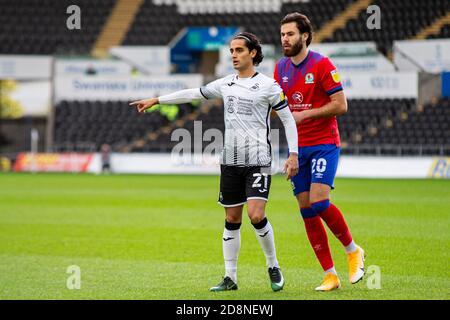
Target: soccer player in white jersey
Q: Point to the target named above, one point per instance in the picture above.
(249, 98)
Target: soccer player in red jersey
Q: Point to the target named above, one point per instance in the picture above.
(312, 86)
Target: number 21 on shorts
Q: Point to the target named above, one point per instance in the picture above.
(257, 183)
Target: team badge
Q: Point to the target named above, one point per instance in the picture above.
(335, 76)
(230, 104)
(309, 78)
(255, 87)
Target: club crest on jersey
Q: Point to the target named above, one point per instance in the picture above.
(335, 76)
(255, 87)
(309, 78)
(285, 79)
(230, 104)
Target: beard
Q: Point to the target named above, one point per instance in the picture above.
(293, 50)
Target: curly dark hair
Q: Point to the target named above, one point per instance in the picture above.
(252, 42)
(303, 24)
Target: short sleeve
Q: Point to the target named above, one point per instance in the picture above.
(212, 89)
(277, 100)
(330, 78)
(275, 74)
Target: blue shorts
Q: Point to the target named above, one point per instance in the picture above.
(317, 164)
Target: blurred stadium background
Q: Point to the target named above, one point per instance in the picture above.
(68, 70)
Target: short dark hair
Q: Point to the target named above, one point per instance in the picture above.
(303, 24)
(252, 42)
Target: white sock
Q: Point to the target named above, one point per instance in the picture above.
(351, 247)
(267, 241)
(331, 270)
(231, 244)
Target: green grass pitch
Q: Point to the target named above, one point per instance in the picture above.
(159, 237)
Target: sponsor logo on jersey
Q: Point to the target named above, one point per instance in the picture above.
(285, 79)
(297, 102)
(309, 78)
(297, 97)
(335, 76)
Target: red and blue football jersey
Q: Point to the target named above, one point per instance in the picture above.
(307, 86)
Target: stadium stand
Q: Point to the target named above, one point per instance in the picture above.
(371, 126)
(44, 33)
(368, 115)
(39, 27)
(424, 126)
(86, 125)
(168, 18)
(322, 11)
(401, 19)
(395, 126)
(164, 24)
(211, 117)
(444, 33)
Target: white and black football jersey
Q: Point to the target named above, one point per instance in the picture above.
(247, 106)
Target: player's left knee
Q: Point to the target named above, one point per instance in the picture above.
(320, 206)
(256, 215)
(307, 213)
(260, 224)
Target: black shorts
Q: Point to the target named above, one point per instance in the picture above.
(239, 184)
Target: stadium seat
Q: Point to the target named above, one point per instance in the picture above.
(39, 27)
(85, 125)
(401, 19)
(425, 130)
(254, 16)
(80, 123)
(444, 33)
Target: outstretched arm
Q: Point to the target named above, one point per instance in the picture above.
(182, 96)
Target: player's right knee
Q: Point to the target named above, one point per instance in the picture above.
(307, 213)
